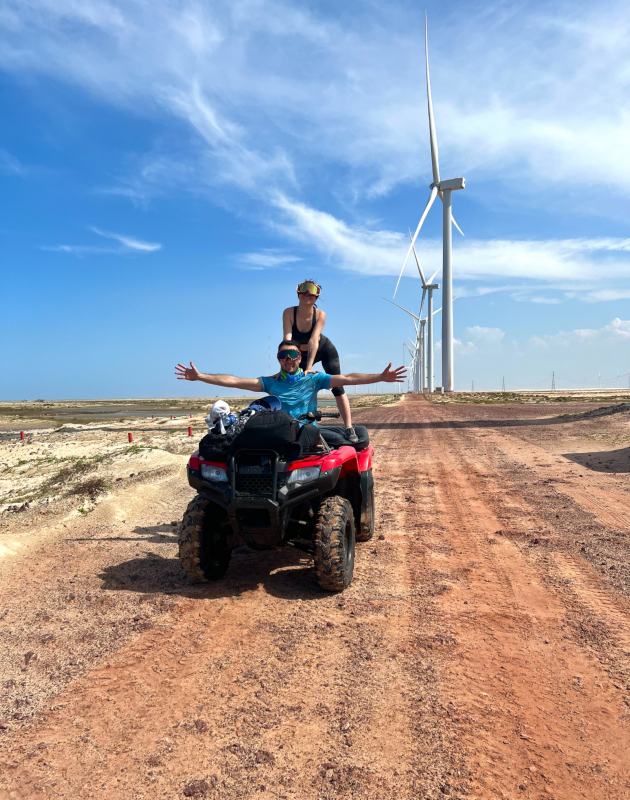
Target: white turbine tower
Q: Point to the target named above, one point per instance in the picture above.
(444, 190)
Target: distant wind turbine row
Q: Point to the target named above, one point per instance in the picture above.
(442, 188)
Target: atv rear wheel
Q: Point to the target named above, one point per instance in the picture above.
(366, 525)
(334, 544)
(203, 550)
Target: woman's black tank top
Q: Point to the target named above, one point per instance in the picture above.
(304, 338)
(297, 335)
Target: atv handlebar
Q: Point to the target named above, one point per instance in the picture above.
(315, 416)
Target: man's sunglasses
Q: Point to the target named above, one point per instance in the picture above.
(309, 287)
(292, 354)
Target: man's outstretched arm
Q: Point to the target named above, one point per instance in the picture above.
(388, 375)
(191, 373)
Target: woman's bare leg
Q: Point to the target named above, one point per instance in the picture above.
(343, 404)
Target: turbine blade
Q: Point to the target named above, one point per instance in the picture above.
(456, 225)
(400, 307)
(424, 294)
(432, 135)
(415, 255)
(427, 208)
(452, 217)
(440, 308)
(434, 274)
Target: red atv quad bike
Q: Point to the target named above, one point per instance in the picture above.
(321, 504)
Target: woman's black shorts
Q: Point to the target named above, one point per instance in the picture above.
(329, 357)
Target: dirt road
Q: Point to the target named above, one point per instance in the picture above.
(482, 651)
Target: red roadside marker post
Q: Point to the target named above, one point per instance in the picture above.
(152, 416)
(22, 435)
(171, 416)
(189, 431)
(130, 435)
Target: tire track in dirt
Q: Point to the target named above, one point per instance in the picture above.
(512, 650)
(600, 496)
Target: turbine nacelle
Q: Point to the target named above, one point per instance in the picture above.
(452, 185)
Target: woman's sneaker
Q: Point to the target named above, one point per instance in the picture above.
(351, 435)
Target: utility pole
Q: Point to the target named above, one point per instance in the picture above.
(553, 381)
(472, 388)
(503, 385)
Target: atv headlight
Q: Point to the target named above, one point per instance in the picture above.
(304, 475)
(211, 473)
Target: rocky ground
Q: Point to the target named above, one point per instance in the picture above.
(482, 651)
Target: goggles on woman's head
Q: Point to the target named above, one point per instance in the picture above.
(309, 287)
(292, 354)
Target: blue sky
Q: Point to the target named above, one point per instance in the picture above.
(169, 171)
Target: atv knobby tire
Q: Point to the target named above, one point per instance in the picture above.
(334, 544)
(366, 526)
(203, 550)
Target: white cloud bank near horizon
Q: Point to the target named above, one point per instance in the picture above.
(580, 358)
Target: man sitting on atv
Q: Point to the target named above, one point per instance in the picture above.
(296, 390)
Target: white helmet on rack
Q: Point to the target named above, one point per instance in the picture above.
(219, 409)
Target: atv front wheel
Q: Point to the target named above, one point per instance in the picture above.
(334, 544)
(366, 524)
(203, 550)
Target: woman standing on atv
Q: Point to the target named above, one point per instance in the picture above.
(304, 324)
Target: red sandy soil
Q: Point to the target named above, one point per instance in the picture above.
(482, 651)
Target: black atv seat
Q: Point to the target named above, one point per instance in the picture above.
(335, 436)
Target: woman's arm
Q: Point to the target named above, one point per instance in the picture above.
(287, 323)
(313, 342)
(231, 381)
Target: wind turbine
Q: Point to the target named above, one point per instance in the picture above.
(416, 371)
(444, 189)
(427, 288)
(420, 364)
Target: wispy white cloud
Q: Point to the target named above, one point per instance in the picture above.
(127, 244)
(269, 258)
(530, 97)
(10, 164)
(130, 242)
(79, 249)
(572, 265)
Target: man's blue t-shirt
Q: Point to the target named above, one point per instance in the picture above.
(298, 397)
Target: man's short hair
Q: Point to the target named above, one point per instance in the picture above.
(288, 343)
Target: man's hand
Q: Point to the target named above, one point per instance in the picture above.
(312, 371)
(189, 373)
(389, 375)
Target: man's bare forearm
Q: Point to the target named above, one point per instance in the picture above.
(355, 379)
(232, 382)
